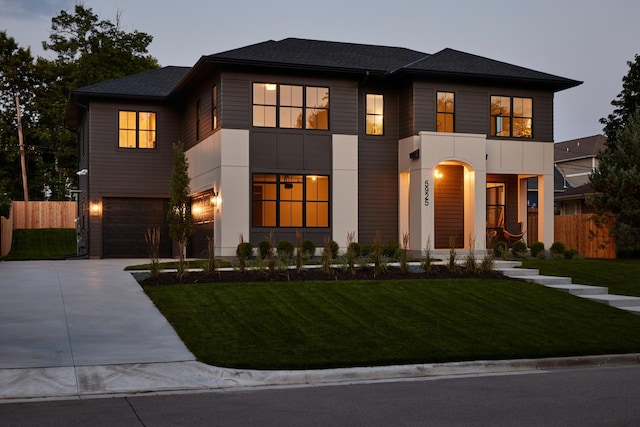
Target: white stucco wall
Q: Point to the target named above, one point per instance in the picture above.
(344, 181)
(221, 162)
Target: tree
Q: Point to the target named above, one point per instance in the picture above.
(616, 185)
(179, 214)
(626, 103)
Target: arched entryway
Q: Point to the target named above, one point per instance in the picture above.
(449, 206)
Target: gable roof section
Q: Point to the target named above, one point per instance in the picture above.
(580, 148)
(451, 62)
(317, 54)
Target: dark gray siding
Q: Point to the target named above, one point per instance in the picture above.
(406, 111)
(378, 173)
(202, 95)
(472, 107)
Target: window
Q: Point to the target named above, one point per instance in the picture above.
(511, 117)
(445, 112)
(290, 200)
(495, 205)
(136, 129)
(214, 108)
(290, 106)
(375, 114)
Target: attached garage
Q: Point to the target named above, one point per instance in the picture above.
(125, 222)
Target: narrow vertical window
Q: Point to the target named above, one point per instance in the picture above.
(127, 132)
(265, 199)
(445, 112)
(214, 108)
(264, 104)
(317, 201)
(291, 106)
(147, 131)
(317, 108)
(291, 201)
(522, 117)
(375, 114)
(197, 119)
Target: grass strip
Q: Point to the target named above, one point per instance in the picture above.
(303, 325)
(43, 243)
(619, 275)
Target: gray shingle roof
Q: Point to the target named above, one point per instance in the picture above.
(155, 83)
(578, 148)
(456, 63)
(322, 54)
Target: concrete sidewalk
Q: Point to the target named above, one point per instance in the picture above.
(84, 328)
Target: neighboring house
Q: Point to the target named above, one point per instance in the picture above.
(575, 160)
(324, 138)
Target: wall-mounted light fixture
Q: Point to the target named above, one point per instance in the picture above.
(415, 154)
(215, 199)
(96, 208)
(438, 174)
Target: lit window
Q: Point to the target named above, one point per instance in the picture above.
(375, 114)
(136, 129)
(290, 107)
(511, 117)
(445, 112)
(214, 108)
(290, 200)
(264, 104)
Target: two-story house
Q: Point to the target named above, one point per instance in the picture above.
(324, 138)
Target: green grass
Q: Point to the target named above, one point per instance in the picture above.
(46, 243)
(299, 325)
(619, 275)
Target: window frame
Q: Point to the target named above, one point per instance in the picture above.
(445, 113)
(281, 106)
(138, 130)
(309, 202)
(375, 114)
(511, 118)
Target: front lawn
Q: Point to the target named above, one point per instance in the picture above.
(619, 275)
(299, 325)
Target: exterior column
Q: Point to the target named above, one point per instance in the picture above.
(545, 210)
(344, 183)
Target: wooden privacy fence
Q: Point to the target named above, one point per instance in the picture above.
(44, 214)
(6, 235)
(579, 231)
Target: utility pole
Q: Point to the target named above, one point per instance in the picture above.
(25, 188)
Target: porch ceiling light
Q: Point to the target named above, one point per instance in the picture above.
(438, 174)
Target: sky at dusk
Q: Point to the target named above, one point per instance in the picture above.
(585, 40)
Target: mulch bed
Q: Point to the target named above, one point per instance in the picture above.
(392, 273)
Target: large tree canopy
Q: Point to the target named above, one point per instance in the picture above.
(616, 181)
(88, 50)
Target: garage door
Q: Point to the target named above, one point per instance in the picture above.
(125, 222)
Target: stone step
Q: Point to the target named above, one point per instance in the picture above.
(633, 309)
(547, 280)
(518, 272)
(500, 264)
(618, 301)
(580, 290)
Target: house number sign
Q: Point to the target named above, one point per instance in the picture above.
(426, 192)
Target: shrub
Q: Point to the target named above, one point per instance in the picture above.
(451, 265)
(487, 263)
(243, 252)
(356, 248)
(390, 250)
(327, 255)
(285, 249)
(152, 238)
(537, 249)
(263, 248)
(367, 249)
(308, 248)
(335, 248)
(351, 252)
(500, 250)
(557, 249)
(427, 261)
(377, 259)
(572, 253)
(299, 251)
(519, 248)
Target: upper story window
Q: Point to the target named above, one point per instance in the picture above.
(290, 106)
(136, 129)
(290, 200)
(214, 108)
(445, 114)
(511, 116)
(375, 114)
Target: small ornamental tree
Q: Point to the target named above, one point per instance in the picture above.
(179, 215)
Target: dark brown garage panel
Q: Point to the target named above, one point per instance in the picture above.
(125, 222)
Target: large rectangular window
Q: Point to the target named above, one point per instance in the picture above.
(511, 117)
(290, 200)
(136, 129)
(375, 114)
(290, 106)
(445, 112)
